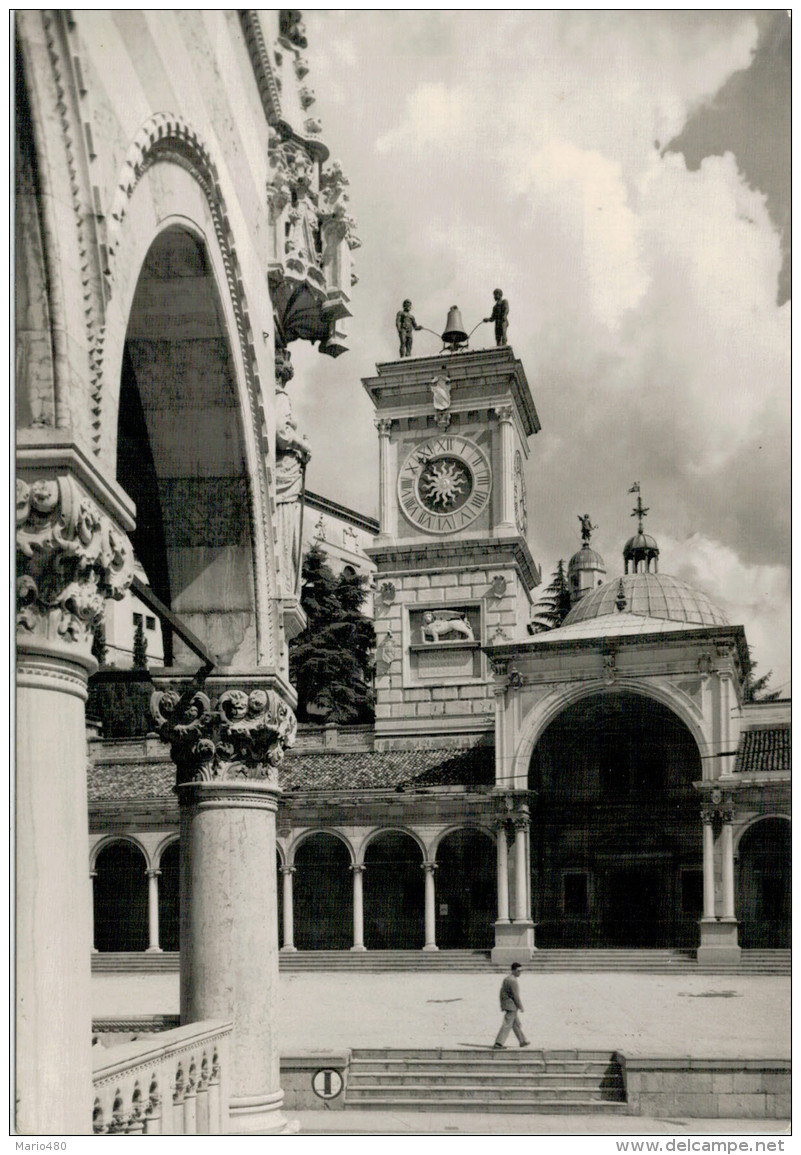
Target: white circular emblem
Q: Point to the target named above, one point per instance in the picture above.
(327, 1083)
(444, 484)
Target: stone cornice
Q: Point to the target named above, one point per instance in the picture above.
(538, 649)
(491, 372)
(458, 554)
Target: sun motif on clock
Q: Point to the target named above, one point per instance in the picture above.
(444, 484)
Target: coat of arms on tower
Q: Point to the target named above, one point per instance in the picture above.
(441, 396)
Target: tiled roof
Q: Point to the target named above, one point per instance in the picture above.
(130, 781)
(143, 781)
(377, 771)
(763, 750)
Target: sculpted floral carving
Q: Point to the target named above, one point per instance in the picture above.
(70, 559)
(241, 734)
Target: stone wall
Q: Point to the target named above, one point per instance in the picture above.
(708, 1088)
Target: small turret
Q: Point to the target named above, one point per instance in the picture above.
(586, 569)
(641, 550)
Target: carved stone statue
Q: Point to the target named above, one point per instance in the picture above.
(292, 454)
(405, 324)
(500, 315)
(437, 624)
(292, 28)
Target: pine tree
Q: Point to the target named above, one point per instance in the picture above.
(554, 605)
(331, 662)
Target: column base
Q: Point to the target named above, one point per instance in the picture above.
(431, 946)
(362, 947)
(288, 949)
(260, 1115)
(514, 942)
(718, 941)
(154, 950)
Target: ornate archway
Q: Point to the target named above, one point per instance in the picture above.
(616, 840)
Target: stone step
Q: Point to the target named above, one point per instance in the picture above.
(472, 1091)
(491, 1105)
(760, 962)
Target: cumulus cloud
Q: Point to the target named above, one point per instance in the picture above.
(525, 150)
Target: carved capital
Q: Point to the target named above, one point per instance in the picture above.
(384, 426)
(505, 414)
(241, 734)
(70, 559)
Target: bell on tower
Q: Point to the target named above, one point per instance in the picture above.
(586, 569)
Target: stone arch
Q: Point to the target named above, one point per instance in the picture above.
(120, 893)
(182, 452)
(172, 839)
(170, 184)
(741, 830)
(394, 890)
(763, 895)
(108, 839)
(615, 836)
(466, 882)
(322, 891)
(380, 831)
(295, 845)
(552, 704)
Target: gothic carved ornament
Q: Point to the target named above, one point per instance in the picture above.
(70, 559)
(243, 733)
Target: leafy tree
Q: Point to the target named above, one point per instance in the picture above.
(756, 688)
(331, 662)
(554, 605)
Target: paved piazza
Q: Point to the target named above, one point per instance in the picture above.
(705, 1016)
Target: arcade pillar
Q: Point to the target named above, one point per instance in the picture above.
(227, 740)
(71, 556)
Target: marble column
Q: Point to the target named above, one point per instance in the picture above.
(71, 557)
(358, 907)
(502, 858)
(727, 864)
(709, 863)
(153, 909)
(521, 858)
(430, 907)
(289, 909)
(718, 931)
(227, 740)
(385, 494)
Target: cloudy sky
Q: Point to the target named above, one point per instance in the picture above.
(624, 177)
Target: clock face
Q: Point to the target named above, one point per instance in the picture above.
(521, 511)
(444, 484)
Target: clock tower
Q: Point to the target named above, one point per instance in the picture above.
(454, 570)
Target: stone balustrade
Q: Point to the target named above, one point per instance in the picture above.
(174, 1083)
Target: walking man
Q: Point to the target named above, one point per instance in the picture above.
(511, 1007)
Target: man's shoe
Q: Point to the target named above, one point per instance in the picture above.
(526, 1044)
(500, 1046)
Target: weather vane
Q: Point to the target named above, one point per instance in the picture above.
(641, 510)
